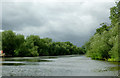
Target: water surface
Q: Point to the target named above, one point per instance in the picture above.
(69, 65)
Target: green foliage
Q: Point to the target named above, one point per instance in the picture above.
(0, 41)
(21, 51)
(34, 46)
(104, 44)
(19, 40)
(33, 51)
(115, 14)
(103, 28)
(8, 42)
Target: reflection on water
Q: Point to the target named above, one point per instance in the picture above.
(70, 65)
(27, 60)
(13, 64)
(16, 61)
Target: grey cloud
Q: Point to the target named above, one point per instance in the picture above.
(16, 16)
(62, 21)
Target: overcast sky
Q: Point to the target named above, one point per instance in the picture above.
(62, 21)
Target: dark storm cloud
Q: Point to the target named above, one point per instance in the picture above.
(62, 21)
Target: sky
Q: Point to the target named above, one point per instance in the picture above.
(70, 20)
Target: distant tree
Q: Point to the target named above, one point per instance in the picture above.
(19, 40)
(8, 42)
(34, 46)
(23, 50)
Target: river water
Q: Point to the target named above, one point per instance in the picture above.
(69, 65)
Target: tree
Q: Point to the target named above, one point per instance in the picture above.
(23, 50)
(104, 43)
(8, 42)
(19, 40)
(115, 14)
(0, 40)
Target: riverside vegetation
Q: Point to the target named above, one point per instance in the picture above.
(102, 45)
(105, 42)
(33, 45)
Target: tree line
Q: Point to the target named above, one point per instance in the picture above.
(104, 44)
(17, 45)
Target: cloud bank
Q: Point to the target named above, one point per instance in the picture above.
(62, 21)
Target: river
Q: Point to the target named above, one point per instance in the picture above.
(68, 65)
